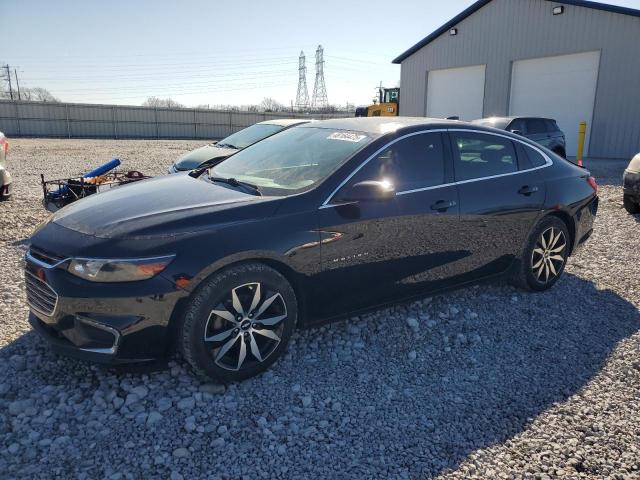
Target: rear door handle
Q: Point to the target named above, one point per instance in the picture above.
(443, 205)
(527, 190)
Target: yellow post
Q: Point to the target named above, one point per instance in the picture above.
(581, 135)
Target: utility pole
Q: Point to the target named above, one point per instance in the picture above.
(319, 99)
(9, 79)
(302, 97)
(15, 73)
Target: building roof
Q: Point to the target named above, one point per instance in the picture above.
(481, 3)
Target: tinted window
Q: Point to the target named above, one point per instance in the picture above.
(535, 158)
(519, 125)
(414, 162)
(536, 125)
(552, 126)
(250, 135)
(482, 155)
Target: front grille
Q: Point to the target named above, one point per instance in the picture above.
(40, 296)
(45, 256)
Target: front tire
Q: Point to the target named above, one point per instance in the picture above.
(544, 257)
(238, 323)
(630, 205)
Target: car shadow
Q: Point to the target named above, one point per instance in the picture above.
(427, 415)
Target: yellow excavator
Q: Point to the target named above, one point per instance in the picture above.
(386, 105)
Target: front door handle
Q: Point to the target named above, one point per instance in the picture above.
(443, 205)
(527, 190)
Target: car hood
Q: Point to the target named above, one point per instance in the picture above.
(163, 206)
(194, 158)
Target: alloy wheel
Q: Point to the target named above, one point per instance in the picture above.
(246, 327)
(547, 258)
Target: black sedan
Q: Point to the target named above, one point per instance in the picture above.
(317, 222)
(631, 186)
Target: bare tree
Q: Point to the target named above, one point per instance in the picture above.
(271, 105)
(41, 95)
(161, 102)
(35, 94)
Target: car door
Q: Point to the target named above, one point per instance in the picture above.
(500, 196)
(376, 251)
(537, 131)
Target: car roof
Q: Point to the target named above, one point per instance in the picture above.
(513, 117)
(381, 125)
(286, 122)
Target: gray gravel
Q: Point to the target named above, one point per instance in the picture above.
(485, 382)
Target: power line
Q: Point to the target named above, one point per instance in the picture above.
(223, 81)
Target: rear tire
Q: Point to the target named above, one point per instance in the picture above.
(630, 205)
(238, 323)
(544, 256)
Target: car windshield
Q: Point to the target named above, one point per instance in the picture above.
(250, 135)
(293, 161)
(500, 123)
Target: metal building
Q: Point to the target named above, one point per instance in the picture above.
(572, 60)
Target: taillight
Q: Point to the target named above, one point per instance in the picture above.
(592, 183)
(6, 147)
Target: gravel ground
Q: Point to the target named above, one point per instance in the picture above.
(485, 382)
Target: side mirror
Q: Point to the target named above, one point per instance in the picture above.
(517, 132)
(369, 190)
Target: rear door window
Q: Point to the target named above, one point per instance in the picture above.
(478, 155)
(536, 126)
(552, 126)
(519, 125)
(536, 159)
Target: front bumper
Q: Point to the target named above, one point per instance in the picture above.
(631, 184)
(103, 323)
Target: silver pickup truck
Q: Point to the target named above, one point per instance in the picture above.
(5, 178)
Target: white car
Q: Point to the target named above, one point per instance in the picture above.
(5, 177)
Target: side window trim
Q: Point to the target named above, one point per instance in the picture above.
(448, 162)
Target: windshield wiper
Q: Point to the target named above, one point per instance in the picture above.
(227, 145)
(237, 183)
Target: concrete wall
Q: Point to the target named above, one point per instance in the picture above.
(507, 30)
(44, 119)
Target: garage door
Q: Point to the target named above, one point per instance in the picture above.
(563, 88)
(456, 92)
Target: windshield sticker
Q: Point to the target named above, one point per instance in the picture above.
(347, 136)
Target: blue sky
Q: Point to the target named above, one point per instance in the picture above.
(213, 52)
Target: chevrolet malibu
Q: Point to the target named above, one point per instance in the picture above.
(317, 222)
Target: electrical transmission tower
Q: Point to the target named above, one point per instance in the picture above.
(302, 98)
(319, 99)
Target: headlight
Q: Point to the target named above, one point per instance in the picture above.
(121, 270)
(634, 166)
